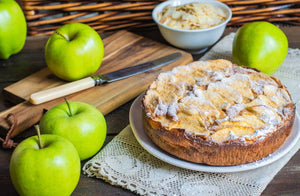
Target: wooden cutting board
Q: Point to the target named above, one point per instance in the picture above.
(122, 49)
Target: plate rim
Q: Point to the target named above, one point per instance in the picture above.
(153, 149)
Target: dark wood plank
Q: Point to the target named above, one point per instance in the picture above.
(287, 181)
(4, 104)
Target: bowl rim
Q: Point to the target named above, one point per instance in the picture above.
(183, 2)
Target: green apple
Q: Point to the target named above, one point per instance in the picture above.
(260, 45)
(82, 124)
(13, 28)
(74, 51)
(50, 169)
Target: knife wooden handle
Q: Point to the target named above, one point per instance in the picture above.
(60, 91)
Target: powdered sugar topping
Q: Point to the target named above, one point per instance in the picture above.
(214, 96)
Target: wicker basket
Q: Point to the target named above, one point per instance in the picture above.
(44, 16)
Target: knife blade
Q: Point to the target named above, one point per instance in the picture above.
(82, 84)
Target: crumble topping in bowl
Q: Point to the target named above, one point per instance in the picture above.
(192, 16)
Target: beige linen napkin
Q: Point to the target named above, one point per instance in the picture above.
(125, 163)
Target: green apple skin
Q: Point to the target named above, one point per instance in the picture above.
(260, 45)
(13, 28)
(74, 51)
(85, 128)
(52, 170)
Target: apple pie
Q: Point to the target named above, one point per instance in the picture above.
(217, 113)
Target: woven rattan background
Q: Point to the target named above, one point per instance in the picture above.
(44, 16)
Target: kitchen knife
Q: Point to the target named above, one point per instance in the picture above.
(82, 84)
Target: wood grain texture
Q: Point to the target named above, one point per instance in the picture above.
(118, 48)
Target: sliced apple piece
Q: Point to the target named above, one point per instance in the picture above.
(225, 134)
(252, 119)
(272, 101)
(267, 114)
(241, 83)
(282, 93)
(267, 101)
(230, 94)
(165, 84)
(262, 78)
(191, 123)
(270, 90)
(217, 100)
(200, 106)
(227, 124)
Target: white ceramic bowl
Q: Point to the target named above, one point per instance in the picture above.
(191, 39)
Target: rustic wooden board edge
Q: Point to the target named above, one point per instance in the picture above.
(12, 98)
(29, 114)
(14, 94)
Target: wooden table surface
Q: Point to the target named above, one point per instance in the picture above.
(286, 182)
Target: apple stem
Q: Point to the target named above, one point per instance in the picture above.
(37, 128)
(68, 104)
(58, 33)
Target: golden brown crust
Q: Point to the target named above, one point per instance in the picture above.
(205, 146)
(192, 148)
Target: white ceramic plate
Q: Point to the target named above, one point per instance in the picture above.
(135, 118)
